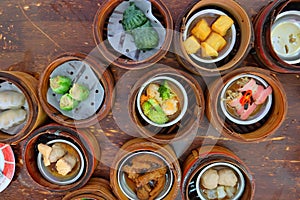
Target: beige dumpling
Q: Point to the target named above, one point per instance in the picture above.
(45, 150)
(210, 179)
(65, 164)
(227, 177)
(57, 152)
(152, 92)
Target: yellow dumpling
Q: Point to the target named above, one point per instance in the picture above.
(191, 45)
(222, 24)
(208, 51)
(216, 41)
(201, 30)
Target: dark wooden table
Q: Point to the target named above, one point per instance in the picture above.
(34, 32)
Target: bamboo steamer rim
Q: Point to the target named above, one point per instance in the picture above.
(98, 188)
(247, 37)
(198, 111)
(98, 26)
(205, 155)
(139, 144)
(27, 84)
(264, 50)
(81, 140)
(278, 110)
(105, 77)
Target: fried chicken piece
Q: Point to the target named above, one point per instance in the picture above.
(65, 164)
(150, 176)
(57, 152)
(45, 150)
(159, 186)
(142, 193)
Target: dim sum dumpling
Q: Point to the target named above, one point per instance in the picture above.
(210, 179)
(10, 118)
(11, 100)
(145, 37)
(227, 177)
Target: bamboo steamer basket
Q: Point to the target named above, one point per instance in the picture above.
(160, 11)
(244, 38)
(83, 139)
(96, 188)
(205, 155)
(263, 22)
(105, 78)
(36, 115)
(252, 132)
(139, 145)
(189, 122)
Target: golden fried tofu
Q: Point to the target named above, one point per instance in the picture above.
(216, 41)
(208, 51)
(191, 45)
(201, 30)
(222, 24)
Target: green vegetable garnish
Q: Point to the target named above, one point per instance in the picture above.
(67, 102)
(145, 37)
(79, 92)
(133, 17)
(154, 112)
(165, 91)
(60, 84)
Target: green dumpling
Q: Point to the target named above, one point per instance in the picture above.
(133, 17)
(67, 102)
(145, 37)
(60, 84)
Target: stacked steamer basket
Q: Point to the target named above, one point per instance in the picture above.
(19, 93)
(191, 101)
(81, 144)
(90, 73)
(265, 119)
(140, 165)
(215, 158)
(116, 46)
(277, 29)
(96, 188)
(239, 37)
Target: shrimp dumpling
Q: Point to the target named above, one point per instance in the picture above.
(11, 100)
(10, 118)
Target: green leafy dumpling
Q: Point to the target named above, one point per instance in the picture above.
(154, 112)
(133, 17)
(145, 37)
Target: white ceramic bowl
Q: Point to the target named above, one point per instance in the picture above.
(182, 97)
(286, 24)
(220, 165)
(60, 180)
(128, 192)
(253, 119)
(230, 37)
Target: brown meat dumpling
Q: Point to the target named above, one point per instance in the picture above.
(210, 179)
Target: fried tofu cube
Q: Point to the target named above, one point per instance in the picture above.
(191, 45)
(45, 150)
(222, 24)
(65, 164)
(208, 51)
(201, 30)
(216, 41)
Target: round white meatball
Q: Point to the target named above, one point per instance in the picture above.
(210, 179)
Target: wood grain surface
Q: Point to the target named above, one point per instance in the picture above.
(34, 32)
